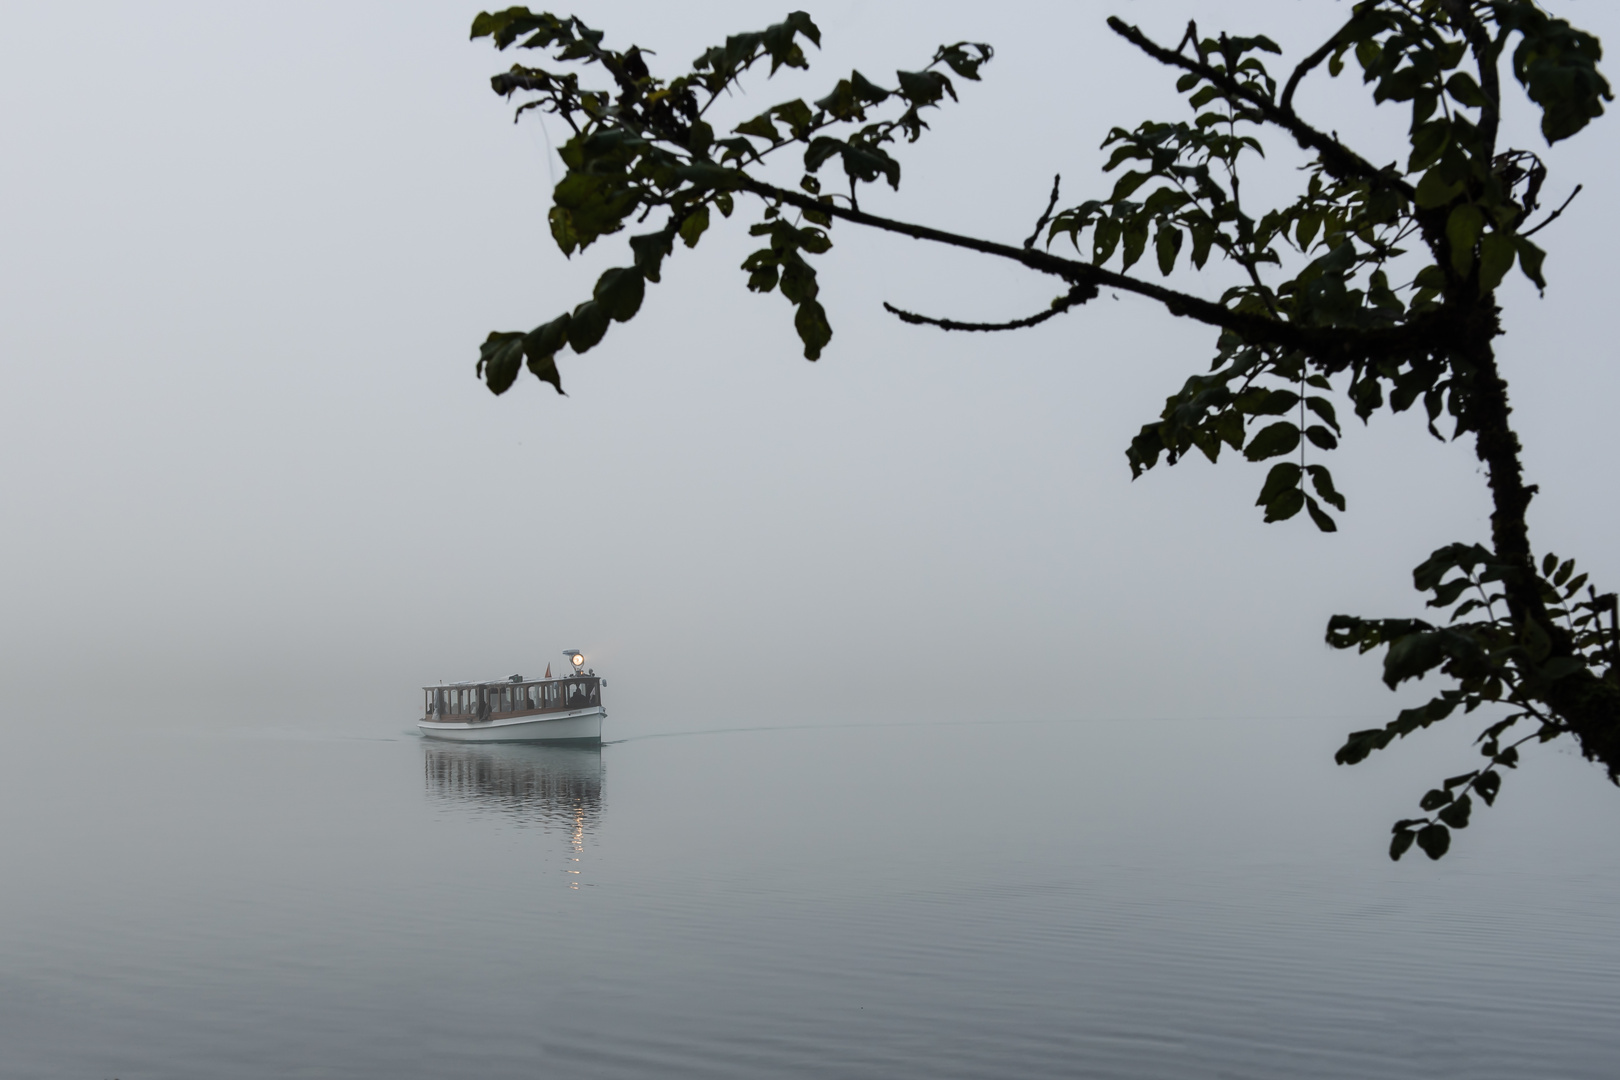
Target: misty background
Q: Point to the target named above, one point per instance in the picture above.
(249, 477)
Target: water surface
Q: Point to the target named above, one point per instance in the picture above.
(1019, 899)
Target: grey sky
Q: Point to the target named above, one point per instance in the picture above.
(247, 256)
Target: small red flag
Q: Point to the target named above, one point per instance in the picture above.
(548, 671)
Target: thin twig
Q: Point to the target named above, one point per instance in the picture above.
(1304, 69)
(1555, 214)
(1190, 36)
(1075, 296)
(1340, 161)
(1051, 204)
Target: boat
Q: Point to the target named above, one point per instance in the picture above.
(564, 709)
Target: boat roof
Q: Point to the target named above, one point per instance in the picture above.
(506, 681)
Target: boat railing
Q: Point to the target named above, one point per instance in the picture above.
(470, 703)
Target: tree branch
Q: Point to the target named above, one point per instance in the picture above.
(1554, 216)
(1338, 159)
(1335, 346)
(1479, 42)
(1305, 67)
(1051, 204)
(1077, 295)
(1071, 270)
(1191, 37)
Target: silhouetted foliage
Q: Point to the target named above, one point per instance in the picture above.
(1375, 287)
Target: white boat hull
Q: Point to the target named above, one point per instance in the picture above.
(579, 725)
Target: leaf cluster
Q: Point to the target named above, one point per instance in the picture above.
(643, 147)
(1493, 659)
(1394, 263)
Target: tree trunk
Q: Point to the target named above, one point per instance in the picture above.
(1589, 706)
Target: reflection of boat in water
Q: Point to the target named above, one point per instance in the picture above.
(549, 785)
(568, 709)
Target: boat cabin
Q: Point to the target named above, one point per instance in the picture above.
(480, 702)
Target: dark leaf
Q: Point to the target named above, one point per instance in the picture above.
(547, 338)
(1322, 407)
(1258, 401)
(1361, 743)
(1530, 258)
(1321, 437)
(924, 87)
(1462, 87)
(693, 226)
(1496, 253)
(1322, 481)
(1136, 236)
(1285, 506)
(650, 250)
(1411, 656)
(1319, 516)
(814, 330)
(1557, 64)
(500, 359)
(965, 57)
(619, 291)
(545, 368)
(587, 325)
(1283, 476)
(798, 280)
(1434, 799)
(1435, 840)
(1167, 242)
(1273, 441)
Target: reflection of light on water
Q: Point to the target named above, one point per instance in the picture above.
(577, 838)
(553, 787)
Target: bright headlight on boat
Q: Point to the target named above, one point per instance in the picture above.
(577, 659)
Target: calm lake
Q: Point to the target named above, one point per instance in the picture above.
(1151, 899)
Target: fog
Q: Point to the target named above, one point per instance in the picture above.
(249, 477)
